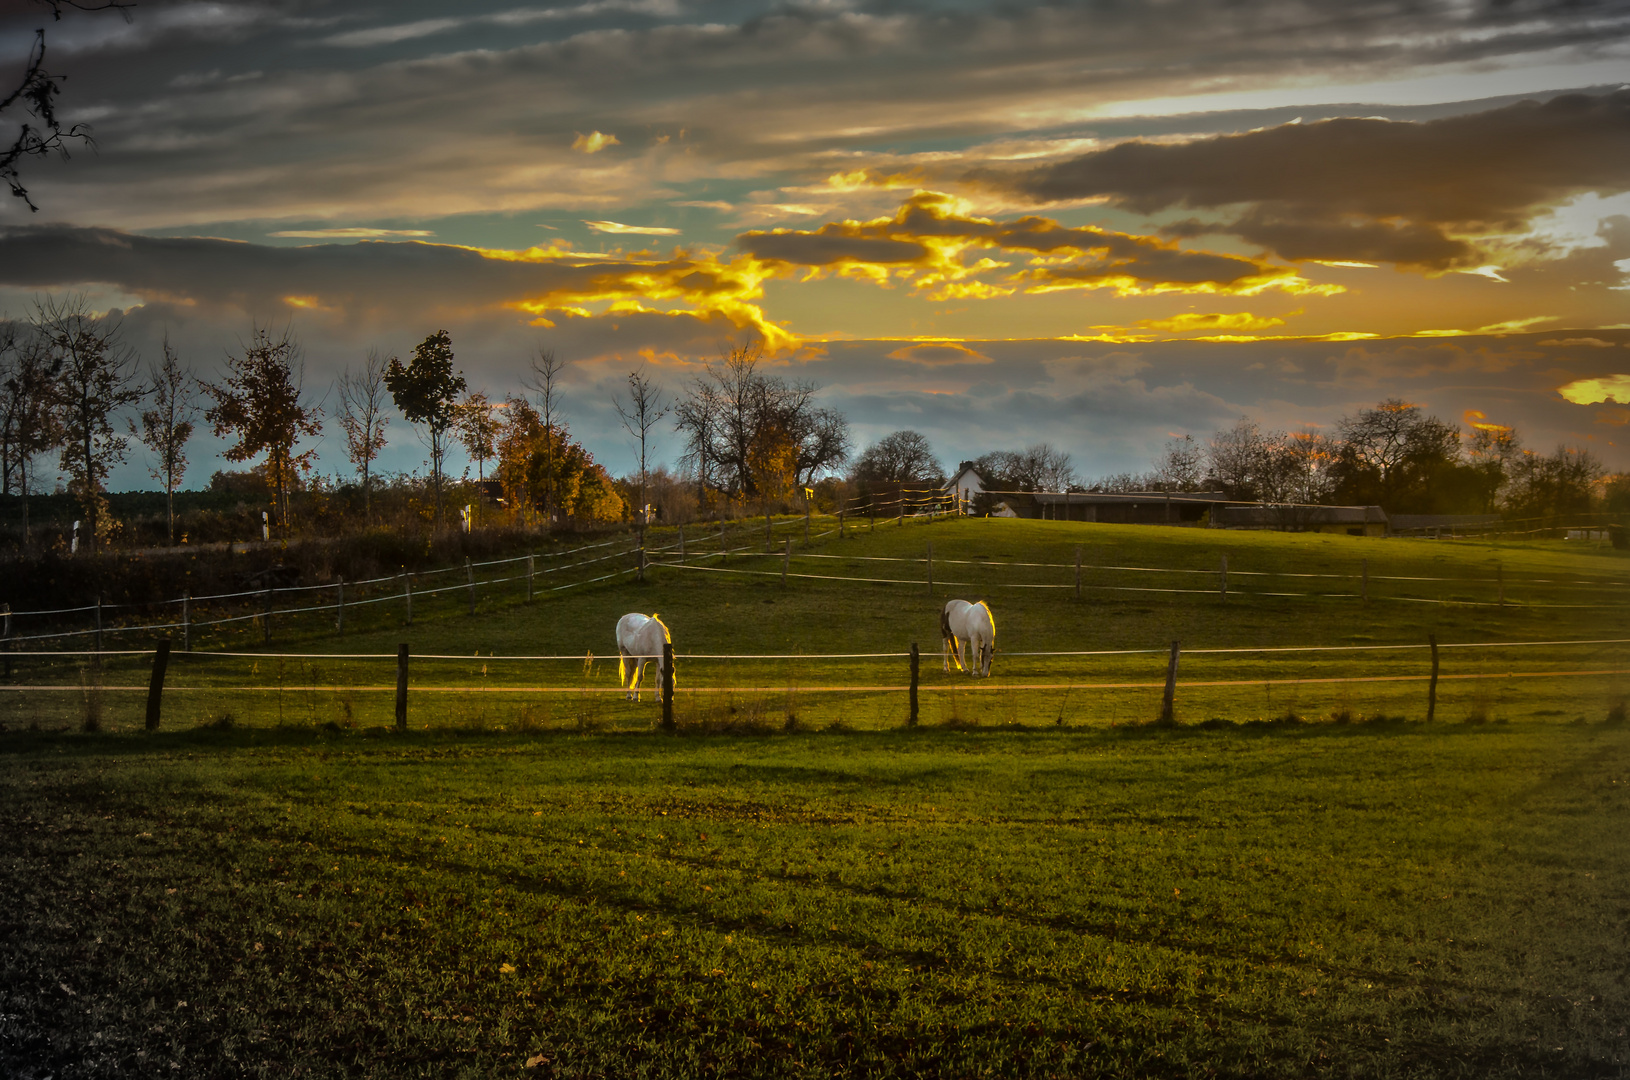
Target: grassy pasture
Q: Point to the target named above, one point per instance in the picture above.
(1554, 591)
(1032, 883)
(1369, 900)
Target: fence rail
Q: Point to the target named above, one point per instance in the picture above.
(710, 548)
(912, 686)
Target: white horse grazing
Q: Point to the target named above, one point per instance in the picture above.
(639, 639)
(963, 624)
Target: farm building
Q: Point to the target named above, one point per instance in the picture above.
(1296, 517)
(1440, 524)
(1130, 508)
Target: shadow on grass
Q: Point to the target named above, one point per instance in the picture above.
(378, 739)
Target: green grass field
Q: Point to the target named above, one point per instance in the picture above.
(1300, 879)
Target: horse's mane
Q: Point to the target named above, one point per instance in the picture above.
(992, 619)
(666, 636)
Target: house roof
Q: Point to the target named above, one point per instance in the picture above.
(1098, 498)
(1301, 514)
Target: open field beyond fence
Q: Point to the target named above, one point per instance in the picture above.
(1302, 878)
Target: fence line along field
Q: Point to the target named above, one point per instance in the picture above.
(1531, 629)
(1301, 877)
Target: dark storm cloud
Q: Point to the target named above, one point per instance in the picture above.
(1365, 189)
(405, 276)
(476, 113)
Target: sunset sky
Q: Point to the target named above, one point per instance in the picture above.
(1098, 224)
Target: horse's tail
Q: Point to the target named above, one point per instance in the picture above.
(622, 667)
(949, 635)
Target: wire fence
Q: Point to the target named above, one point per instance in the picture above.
(711, 549)
(737, 691)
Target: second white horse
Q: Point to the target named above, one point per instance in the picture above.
(963, 624)
(640, 639)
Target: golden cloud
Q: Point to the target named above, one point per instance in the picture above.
(695, 285)
(926, 241)
(594, 142)
(1613, 417)
(937, 353)
(617, 228)
(1240, 320)
(1615, 388)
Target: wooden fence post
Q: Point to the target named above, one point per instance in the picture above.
(769, 541)
(681, 545)
(930, 568)
(407, 593)
(531, 567)
(806, 522)
(667, 686)
(639, 563)
(268, 619)
(5, 635)
(902, 520)
(1167, 716)
(913, 715)
(840, 523)
(1364, 585)
(1499, 576)
(155, 685)
(98, 622)
(1432, 687)
(401, 686)
(469, 580)
(1224, 578)
(339, 606)
(786, 558)
(1078, 571)
(186, 621)
(724, 552)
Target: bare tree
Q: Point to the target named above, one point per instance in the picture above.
(751, 434)
(362, 417)
(35, 94)
(478, 431)
(28, 420)
(166, 427)
(97, 377)
(543, 379)
(1041, 467)
(259, 402)
(905, 457)
(643, 410)
(1181, 466)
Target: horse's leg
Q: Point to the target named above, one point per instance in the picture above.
(622, 671)
(639, 675)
